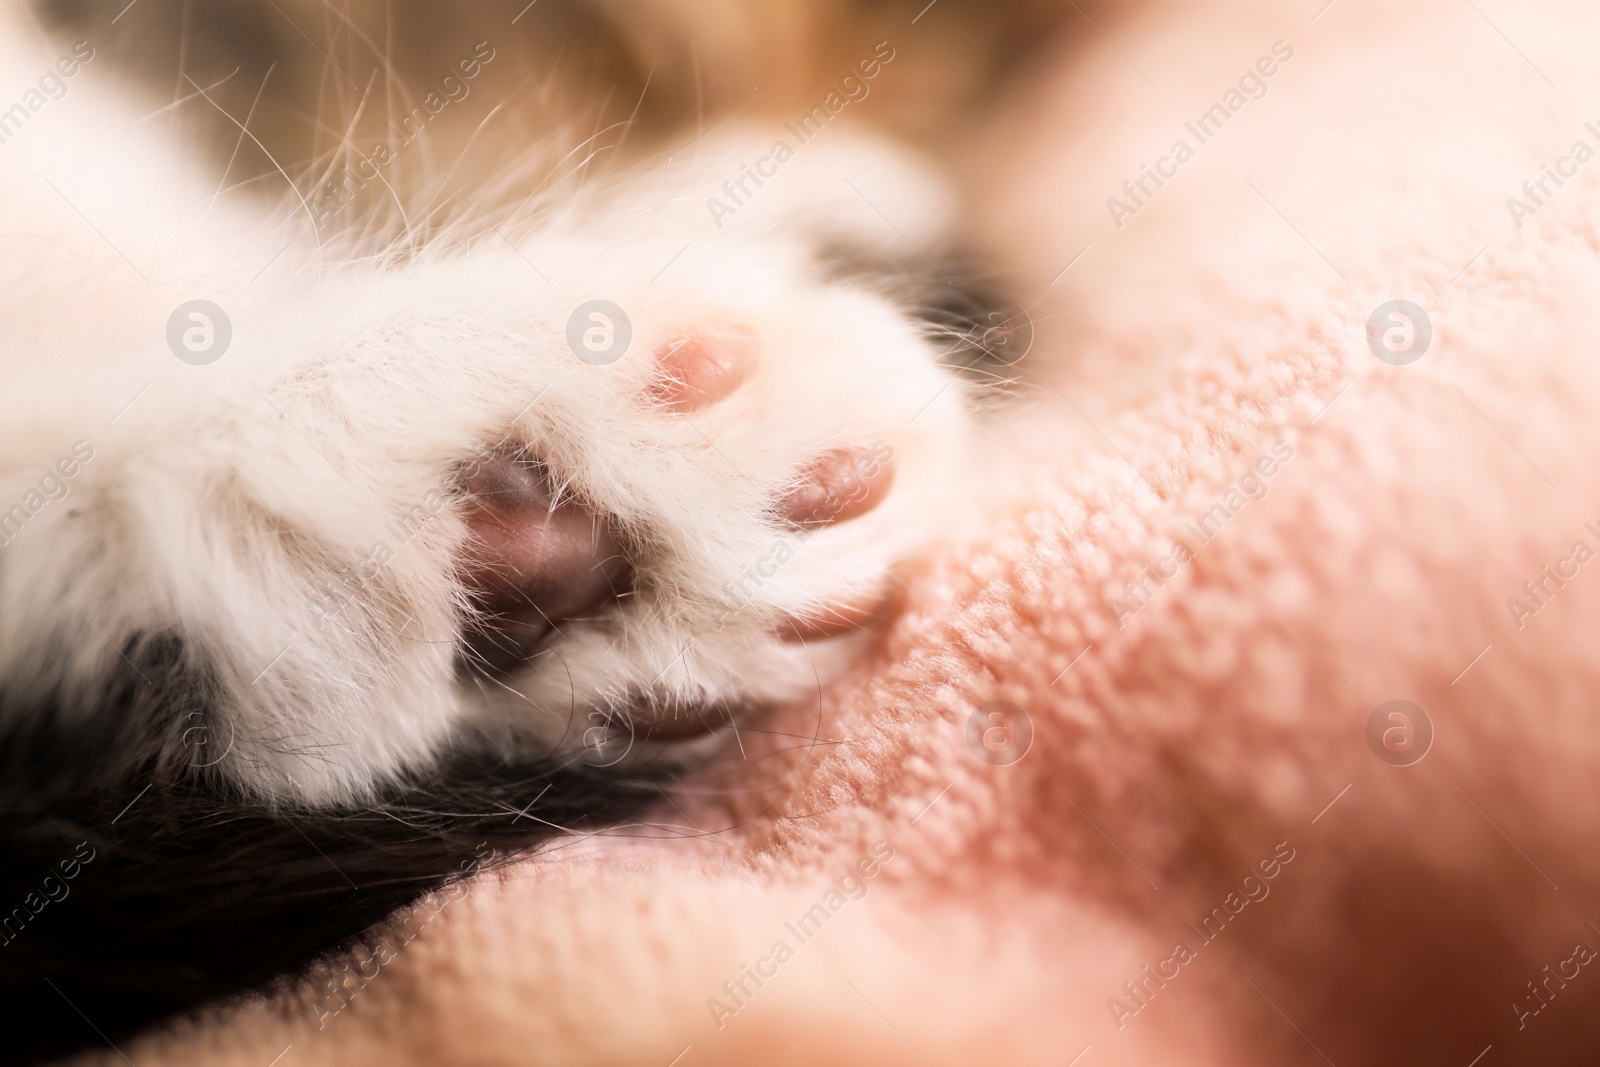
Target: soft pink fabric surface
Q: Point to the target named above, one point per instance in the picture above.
(1175, 753)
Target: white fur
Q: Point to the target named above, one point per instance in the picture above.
(222, 499)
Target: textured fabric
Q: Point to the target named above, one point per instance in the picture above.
(1188, 735)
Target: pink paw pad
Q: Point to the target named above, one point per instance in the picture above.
(839, 485)
(700, 369)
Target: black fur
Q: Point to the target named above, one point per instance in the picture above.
(181, 892)
(975, 327)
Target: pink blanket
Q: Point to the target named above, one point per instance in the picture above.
(1252, 718)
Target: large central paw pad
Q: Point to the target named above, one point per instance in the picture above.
(539, 556)
(534, 561)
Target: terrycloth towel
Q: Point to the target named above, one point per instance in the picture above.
(1127, 784)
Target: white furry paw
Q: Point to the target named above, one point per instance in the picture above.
(727, 524)
(586, 483)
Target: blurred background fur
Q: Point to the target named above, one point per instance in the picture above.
(512, 96)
